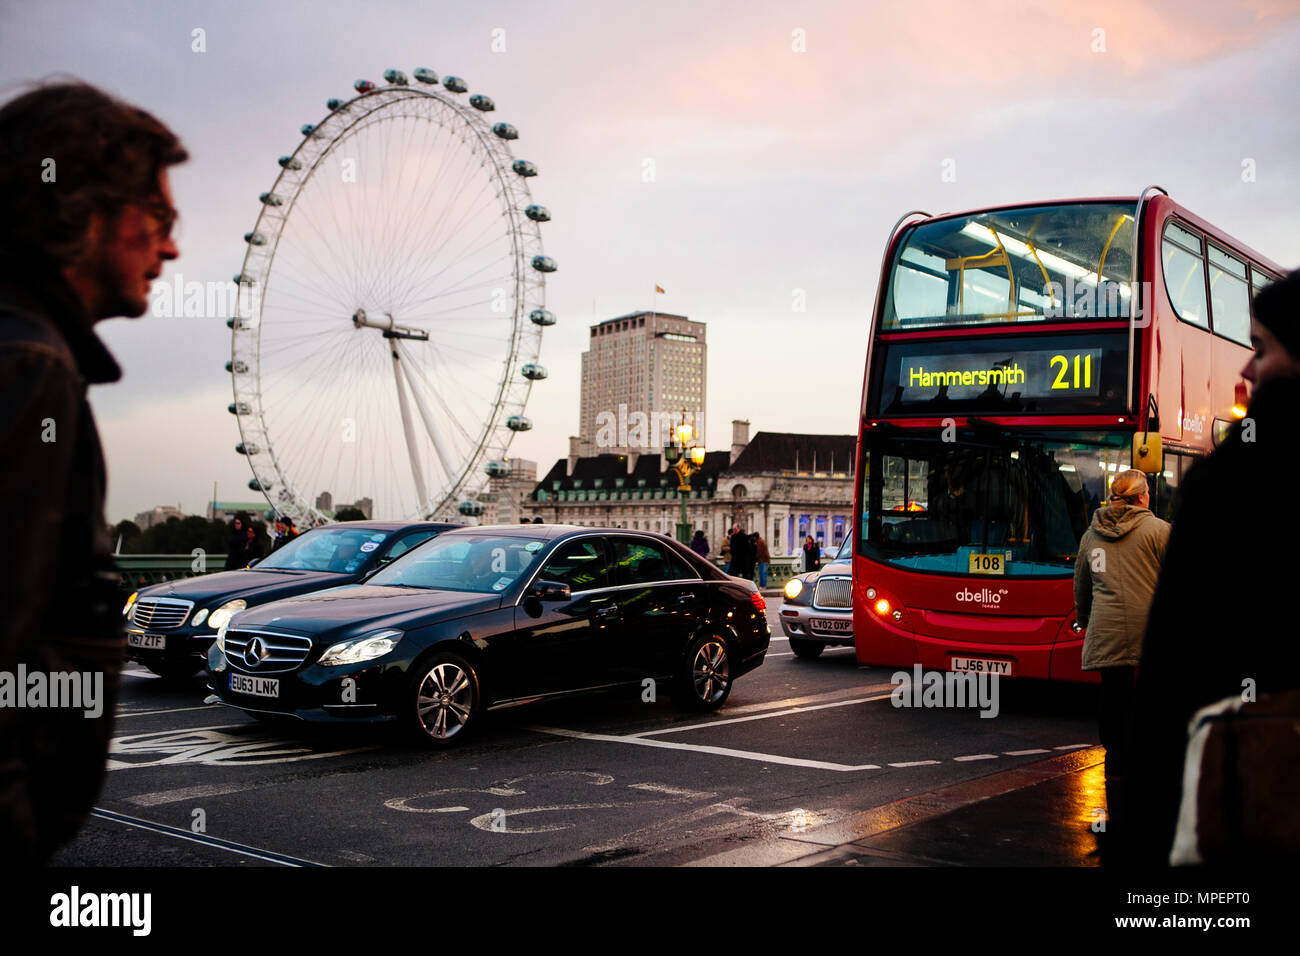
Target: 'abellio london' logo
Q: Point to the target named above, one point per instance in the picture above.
(982, 596)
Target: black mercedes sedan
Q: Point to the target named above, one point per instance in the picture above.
(170, 626)
(488, 617)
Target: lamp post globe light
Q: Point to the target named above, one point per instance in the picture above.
(685, 456)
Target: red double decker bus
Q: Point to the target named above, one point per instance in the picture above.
(1020, 357)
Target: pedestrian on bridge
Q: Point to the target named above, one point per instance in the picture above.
(85, 226)
(1115, 574)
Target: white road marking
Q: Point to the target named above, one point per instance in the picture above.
(976, 757)
(213, 842)
(1026, 753)
(764, 716)
(145, 674)
(150, 713)
(698, 748)
(671, 791)
(916, 763)
(1073, 746)
(187, 793)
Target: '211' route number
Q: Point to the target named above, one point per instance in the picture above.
(1062, 382)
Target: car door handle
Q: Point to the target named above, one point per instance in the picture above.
(687, 598)
(606, 613)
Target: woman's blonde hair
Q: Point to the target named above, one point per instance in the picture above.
(1128, 486)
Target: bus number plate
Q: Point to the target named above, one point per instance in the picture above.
(988, 563)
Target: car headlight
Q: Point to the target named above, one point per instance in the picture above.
(221, 639)
(130, 604)
(358, 649)
(793, 588)
(200, 617)
(219, 618)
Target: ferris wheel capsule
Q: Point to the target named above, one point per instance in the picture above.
(538, 213)
(255, 485)
(425, 75)
(497, 469)
(518, 423)
(333, 103)
(524, 168)
(395, 77)
(482, 103)
(270, 199)
(541, 317)
(238, 368)
(505, 131)
(247, 448)
(308, 129)
(455, 84)
(534, 372)
(290, 162)
(363, 86)
(239, 408)
(471, 508)
(544, 264)
(255, 238)
(244, 279)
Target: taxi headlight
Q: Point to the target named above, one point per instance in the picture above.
(793, 588)
(358, 649)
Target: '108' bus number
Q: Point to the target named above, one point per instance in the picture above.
(1063, 382)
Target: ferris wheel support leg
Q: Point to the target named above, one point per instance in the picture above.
(429, 423)
(408, 427)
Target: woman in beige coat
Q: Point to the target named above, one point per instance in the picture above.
(1114, 580)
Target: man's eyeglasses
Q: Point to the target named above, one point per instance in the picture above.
(162, 213)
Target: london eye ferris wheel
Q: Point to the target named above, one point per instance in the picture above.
(394, 299)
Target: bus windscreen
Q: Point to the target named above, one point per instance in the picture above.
(1030, 264)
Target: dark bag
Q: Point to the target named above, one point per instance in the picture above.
(1241, 783)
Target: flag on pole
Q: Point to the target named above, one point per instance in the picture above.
(660, 290)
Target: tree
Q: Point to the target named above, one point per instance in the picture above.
(350, 514)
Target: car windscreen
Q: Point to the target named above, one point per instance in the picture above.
(340, 550)
(481, 563)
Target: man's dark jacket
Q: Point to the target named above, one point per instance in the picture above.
(1223, 611)
(62, 609)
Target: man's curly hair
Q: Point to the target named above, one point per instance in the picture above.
(107, 155)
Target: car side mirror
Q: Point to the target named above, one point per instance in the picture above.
(253, 562)
(550, 591)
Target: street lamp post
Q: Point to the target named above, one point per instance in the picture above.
(685, 456)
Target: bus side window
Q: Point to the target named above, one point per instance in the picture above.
(1165, 488)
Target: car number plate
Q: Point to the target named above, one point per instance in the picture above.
(255, 686)
(987, 563)
(155, 642)
(981, 665)
(830, 625)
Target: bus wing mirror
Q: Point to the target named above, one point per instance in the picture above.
(1148, 453)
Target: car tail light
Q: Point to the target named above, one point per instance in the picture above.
(757, 600)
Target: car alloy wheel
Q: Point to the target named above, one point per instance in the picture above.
(446, 699)
(709, 673)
